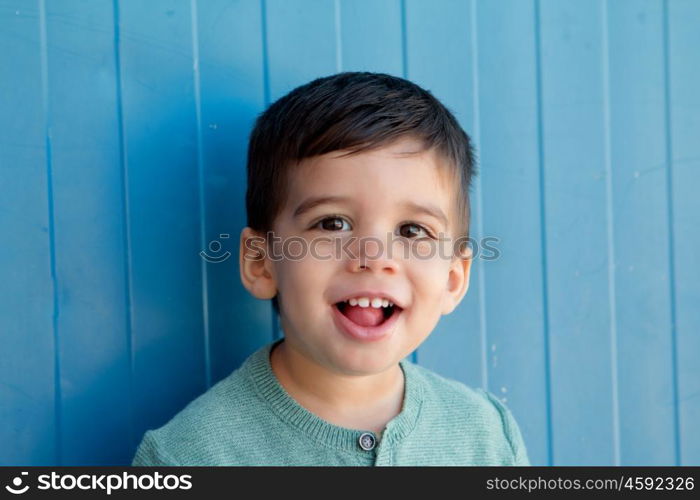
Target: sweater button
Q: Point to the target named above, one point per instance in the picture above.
(367, 441)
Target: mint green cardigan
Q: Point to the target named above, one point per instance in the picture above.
(249, 419)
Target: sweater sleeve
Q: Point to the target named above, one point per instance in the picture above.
(511, 430)
(149, 453)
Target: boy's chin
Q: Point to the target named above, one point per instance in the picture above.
(365, 364)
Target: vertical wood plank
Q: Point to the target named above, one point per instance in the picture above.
(510, 181)
(301, 43)
(640, 231)
(371, 36)
(160, 140)
(28, 419)
(89, 227)
(574, 143)
(682, 18)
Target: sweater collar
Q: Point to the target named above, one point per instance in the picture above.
(259, 370)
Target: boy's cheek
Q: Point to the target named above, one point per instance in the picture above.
(428, 250)
(323, 249)
(424, 250)
(307, 274)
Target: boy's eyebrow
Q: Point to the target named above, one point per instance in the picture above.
(313, 202)
(310, 203)
(429, 209)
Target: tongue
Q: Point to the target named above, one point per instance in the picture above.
(364, 316)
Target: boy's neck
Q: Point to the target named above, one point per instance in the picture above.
(355, 402)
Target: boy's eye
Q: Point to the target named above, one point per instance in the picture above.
(336, 223)
(331, 224)
(411, 230)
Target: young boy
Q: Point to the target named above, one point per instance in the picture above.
(376, 155)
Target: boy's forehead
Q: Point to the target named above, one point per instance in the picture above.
(394, 171)
(400, 156)
(404, 146)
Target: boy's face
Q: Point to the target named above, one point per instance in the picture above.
(377, 217)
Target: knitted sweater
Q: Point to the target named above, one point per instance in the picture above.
(248, 418)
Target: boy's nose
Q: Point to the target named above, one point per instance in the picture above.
(372, 253)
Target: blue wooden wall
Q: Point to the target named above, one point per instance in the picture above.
(123, 133)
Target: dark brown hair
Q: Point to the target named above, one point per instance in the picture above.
(354, 111)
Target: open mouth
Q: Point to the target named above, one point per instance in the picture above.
(367, 316)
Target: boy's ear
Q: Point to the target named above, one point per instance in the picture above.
(255, 266)
(458, 280)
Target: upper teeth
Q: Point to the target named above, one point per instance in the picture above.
(375, 302)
